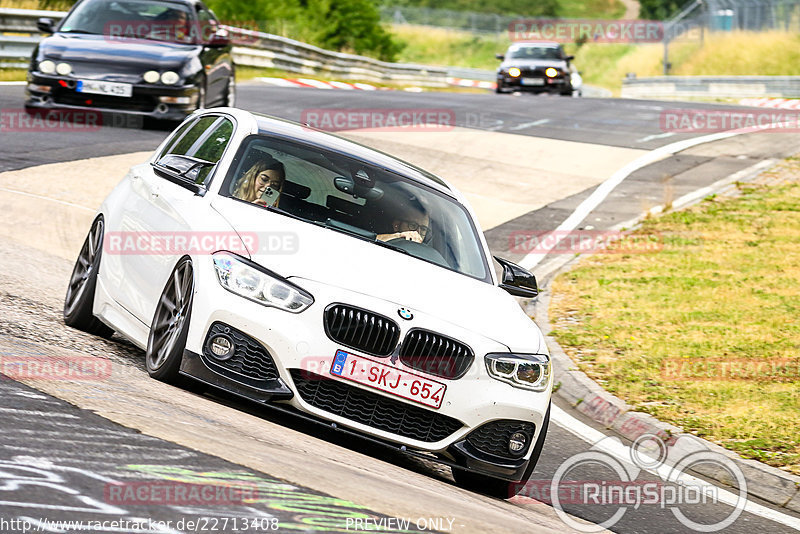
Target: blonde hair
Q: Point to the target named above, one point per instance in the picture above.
(245, 188)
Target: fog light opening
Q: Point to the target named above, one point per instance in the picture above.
(162, 108)
(221, 347)
(517, 443)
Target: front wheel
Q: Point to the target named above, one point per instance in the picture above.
(79, 300)
(170, 326)
(499, 89)
(503, 489)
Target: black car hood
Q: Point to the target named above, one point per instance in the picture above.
(129, 54)
(534, 63)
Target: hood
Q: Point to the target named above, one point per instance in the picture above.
(104, 52)
(535, 63)
(336, 259)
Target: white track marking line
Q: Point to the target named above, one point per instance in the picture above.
(40, 197)
(529, 124)
(655, 136)
(13, 83)
(604, 189)
(623, 452)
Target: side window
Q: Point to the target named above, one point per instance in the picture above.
(204, 141)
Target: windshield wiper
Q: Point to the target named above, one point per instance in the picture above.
(79, 31)
(393, 247)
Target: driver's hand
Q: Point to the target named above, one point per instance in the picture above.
(411, 235)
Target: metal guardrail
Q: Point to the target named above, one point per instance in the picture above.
(251, 48)
(680, 87)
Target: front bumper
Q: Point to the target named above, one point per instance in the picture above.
(535, 83)
(145, 101)
(297, 343)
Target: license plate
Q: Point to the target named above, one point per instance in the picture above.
(97, 87)
(532, 81)
(385, 378)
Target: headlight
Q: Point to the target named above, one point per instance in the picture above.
(551, 72)
(514, 72)
(526, 371)
(253, 282)
(170, 78)
(47, 67)
(63, 68)
(151, 76)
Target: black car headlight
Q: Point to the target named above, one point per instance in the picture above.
(525, 371)
(258, 284)
(47, 67)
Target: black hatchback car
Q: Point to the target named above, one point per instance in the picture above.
(539, 67)
(161, 59)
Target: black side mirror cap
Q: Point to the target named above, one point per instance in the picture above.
(45, 25)
(220, 39)
(517, 280)
(569, 58)
(500, 56)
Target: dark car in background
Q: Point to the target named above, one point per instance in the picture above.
(539, 67)
(161, 59)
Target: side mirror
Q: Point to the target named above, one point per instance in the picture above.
(221, 38)
(500, 56)
(45, 25)
(569, 58)
(517, 280)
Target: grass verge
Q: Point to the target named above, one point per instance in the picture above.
(690, 334)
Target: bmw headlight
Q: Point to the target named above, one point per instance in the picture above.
(514, 72)
(151, 76)
(550, 72)
(64, 69)
(170, 78)
(526, 371)
(47, 67)
(258, 284)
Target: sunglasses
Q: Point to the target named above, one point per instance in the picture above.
(416, 227)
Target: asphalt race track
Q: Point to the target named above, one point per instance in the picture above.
(66, 446)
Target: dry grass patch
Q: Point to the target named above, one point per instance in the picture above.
(720, 298)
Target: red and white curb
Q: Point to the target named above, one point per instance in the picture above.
(481, 84)
(776, 103)
(316, 84)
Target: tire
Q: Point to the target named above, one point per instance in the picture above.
(496, 487)
(230, 92)
(170, 325)
(499, 89)
(79, 300)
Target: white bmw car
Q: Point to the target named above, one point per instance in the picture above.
(309, 273)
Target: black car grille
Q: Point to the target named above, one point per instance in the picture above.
(361, 330)
(133, 103)
(249, 358)
(375, 411)
(435, 354)
(492, 438)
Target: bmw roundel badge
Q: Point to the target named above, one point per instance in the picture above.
(405, 314)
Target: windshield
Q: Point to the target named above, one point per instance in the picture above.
(535, 52)
(350, 196)
(159, 21)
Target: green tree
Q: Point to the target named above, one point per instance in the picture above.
(659, 9)
(353, 26)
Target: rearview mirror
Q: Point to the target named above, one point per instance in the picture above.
(221, 38)
(45, 25)
(569, 58)
(500, 56)
(517, 280)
